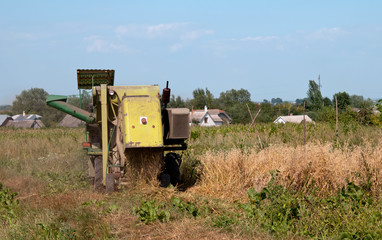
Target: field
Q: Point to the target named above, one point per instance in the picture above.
(238, 182)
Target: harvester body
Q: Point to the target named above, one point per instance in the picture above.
(124, 120)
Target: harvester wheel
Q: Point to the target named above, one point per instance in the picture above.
(171, 167)
(98, 176)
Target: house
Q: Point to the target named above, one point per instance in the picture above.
(23, 117)
(210, 117)
(24, 121)
(25, 124)
(69, 121)
(293, 119)
(4, 119)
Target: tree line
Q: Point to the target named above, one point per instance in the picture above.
(237, 103)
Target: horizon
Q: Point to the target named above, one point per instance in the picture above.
(271, 50)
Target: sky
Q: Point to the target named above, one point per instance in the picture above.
(270, 48)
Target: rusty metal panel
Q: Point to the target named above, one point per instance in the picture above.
(179, 123)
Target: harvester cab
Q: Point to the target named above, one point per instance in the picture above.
(129, 129)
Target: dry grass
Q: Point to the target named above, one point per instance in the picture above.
(47, 167)
(181, 229)
(228, 175)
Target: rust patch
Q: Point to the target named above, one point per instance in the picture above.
(133, 144)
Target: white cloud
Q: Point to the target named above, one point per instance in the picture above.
(175, 36)
(97, 44)
(176, 47)
(195, 34)
(260, 38)
(325, 34)
(188, 37)
(160, 29)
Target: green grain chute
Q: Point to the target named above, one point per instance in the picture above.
(59, 102)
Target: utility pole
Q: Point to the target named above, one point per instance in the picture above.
(319, 83)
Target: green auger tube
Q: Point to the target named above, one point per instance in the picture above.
(59, 102)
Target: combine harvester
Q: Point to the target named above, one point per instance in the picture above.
(129, 128)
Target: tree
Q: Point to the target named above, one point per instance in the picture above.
(234, 96)
(30, 101)
(299, 101)
(343, 100)
(202, 98)
(177, 102)
(34, 101)
(234, 103)
(276, 101)
(327, 102)
(356, 101)
(315, 100)
(359, 102)
(84, 101)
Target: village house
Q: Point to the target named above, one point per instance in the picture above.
(22, 121)
(69, 121)
(293, 119)
(25, 124)
(210, 117)
(4, 119)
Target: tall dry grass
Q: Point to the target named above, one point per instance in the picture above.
(318, 167)
(33, 159)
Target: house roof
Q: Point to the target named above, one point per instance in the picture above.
(3, 117)
(216, 118)
(20, 117)
(25, 124)
(69, 121)
(216, 114)
(198, 116)
(294, 119)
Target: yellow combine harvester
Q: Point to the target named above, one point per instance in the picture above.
(129, 128)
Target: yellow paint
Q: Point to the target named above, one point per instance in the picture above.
(104, 131)
(140, 102)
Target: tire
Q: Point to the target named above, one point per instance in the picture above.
(98, 175)
(165, 180)
(172, 167)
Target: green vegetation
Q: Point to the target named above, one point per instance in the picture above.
(238, 181)
(150, 212)
(8, 205)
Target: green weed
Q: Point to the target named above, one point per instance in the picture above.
(187, 207)
(8, 205)
(149, 212)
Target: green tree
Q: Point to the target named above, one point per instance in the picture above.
(202, 98)
(33, 101)
(356, 101)
(327, 102)
(343, 100)
(234, 102)
(300, 101)
(234, 96)
(275, 101)
(315, 100)
(176, 102)
(266, 113)
(84, 101)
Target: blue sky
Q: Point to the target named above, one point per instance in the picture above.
(270, 48)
